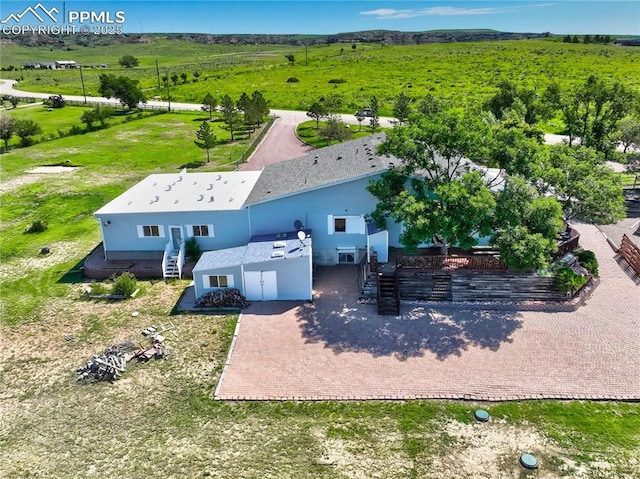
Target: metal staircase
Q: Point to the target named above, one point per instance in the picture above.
(388, 294)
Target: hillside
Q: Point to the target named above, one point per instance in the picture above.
(388, 37)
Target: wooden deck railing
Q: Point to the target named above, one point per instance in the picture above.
(631, 253)
(449, 263)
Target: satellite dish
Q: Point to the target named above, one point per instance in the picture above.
(297, 225)
(301, 235)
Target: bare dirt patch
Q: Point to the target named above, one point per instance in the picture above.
(34, 175)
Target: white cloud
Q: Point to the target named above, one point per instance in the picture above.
(389, 13)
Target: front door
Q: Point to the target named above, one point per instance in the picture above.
(176, 237)
(260, 285)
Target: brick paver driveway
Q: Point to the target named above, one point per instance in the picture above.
(338, 349)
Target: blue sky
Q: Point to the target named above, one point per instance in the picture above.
(324, 16)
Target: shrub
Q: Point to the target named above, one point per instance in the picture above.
(38, 226)
(192, 249)
(292, 80)
(125, 284)
(567, 280)
(98, 288)
(337, 80)
(589, 261)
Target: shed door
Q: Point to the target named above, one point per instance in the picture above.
(260, 285)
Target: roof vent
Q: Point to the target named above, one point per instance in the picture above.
(315, 162)
(179, 178)
(279, 244)
(130, 202)
(230, 200)
(210, 187)
(211, 199)
(268, 191)
(372, 165)
(168, 188)
(277, 254)
(156, 199)
(201, 198)
(195, 183)
(225, 182)
(175, 202)
(218, 178)
(242, 180)
(154, 183)
(339, 158)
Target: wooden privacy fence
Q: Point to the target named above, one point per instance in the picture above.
(631, 253)
(449, 263)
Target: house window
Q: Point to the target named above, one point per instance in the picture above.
(346, 224)
(150, 231)
(218, 281)
(347, 256)
(340, 225)
(200, 230)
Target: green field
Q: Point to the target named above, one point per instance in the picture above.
(160, 418)
(462, 73)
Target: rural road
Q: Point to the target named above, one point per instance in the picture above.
(279, 144)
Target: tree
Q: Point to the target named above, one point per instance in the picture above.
(7, 129)
(429, 105)
(14, 101)
(360, 118)
(209, 104)
(123, 88)
(259, 108)
(630, 133)
(401, 107)
(316, 112)
(128, 61)
(89, 118)
(504, 99)
(196, 75)
(100, 113)
(184, 77)
(291, 59)
(592, 110)
(57, 101)
(205, 137)
(25, 129)
(335, 130)
(433, 192)
(174, 78)
(229, 114)
(585, 186)
(526, 225)
(374, 121)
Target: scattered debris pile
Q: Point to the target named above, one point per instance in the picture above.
(223, 298)
(112, 363)
(106, 366)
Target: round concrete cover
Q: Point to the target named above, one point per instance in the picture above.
(481, 415)
(528, 461)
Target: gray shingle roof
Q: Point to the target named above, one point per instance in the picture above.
(325, 166)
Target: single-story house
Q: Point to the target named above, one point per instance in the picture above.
(323, 191)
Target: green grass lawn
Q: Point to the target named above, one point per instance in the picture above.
(462, 73)
(311, 135)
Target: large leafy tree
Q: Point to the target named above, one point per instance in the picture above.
(586, 187)
(433, 192)
(508, 93)
(205, 138)
(591, 111)
(374, 121)
(123, 88)
(525, 225)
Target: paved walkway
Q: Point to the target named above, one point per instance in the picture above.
(336, 348)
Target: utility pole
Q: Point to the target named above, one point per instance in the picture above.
(166, 73)
(84, 92)
(158, 73)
